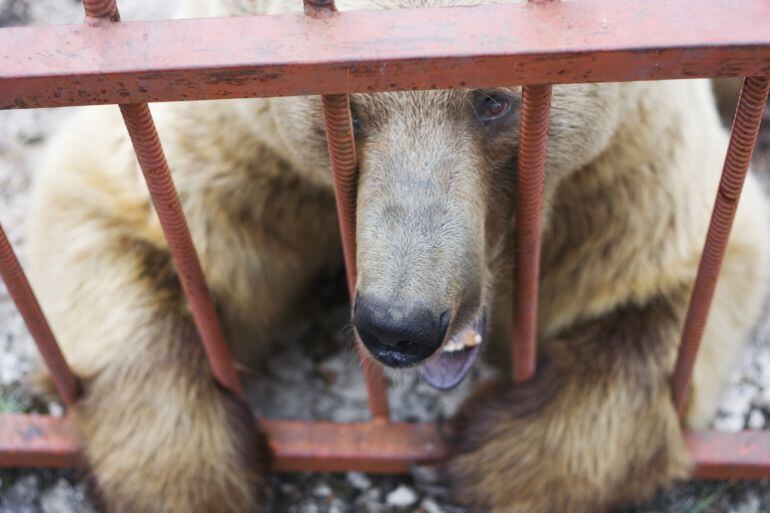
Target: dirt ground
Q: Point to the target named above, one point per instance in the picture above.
(319, 381)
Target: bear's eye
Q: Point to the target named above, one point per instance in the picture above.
(491, 108)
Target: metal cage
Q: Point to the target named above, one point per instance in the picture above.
(535, 44)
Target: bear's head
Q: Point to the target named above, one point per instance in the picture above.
(435, 206)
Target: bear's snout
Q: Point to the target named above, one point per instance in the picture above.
(398, 334)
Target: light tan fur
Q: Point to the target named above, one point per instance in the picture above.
(632, 174)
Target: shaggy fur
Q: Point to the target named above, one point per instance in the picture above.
(631, 175)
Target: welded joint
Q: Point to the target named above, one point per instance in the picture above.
(99, 11)
(319, 8)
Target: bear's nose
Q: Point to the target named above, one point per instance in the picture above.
(398, 335)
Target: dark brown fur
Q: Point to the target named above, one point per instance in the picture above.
(558, 443)
(209, 485)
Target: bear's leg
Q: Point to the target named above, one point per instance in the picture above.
(159, 435)
(595, 428)
(157, 432)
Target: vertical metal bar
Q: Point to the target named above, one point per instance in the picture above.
(342, 153)
(149, 152)
(743, 138)
(533, 141)
(146, 143)
(22, 294)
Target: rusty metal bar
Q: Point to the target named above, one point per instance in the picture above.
(743, 138)
(43, 441)
(342, 154)
(18, 287)
(37, 441)
(403, 49)
(146, 143)
(152, 161)
(743, 455)
(381, 448)
(533, 141)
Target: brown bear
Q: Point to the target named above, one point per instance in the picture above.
(631, 177)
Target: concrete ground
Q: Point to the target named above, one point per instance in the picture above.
(319, 382)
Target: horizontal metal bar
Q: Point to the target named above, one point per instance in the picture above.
(42, 441)
(743, 455)
(294, 54)
(37, 441)
(23, 296)
(375, 447)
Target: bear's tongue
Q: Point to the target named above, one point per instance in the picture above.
(448, 369)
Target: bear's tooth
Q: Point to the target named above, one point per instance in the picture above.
(452, 346)
(468, 338)
(471, 339)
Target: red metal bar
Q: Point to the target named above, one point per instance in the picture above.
(381, 448)
(37, 441)
(533, 141)
(342, 154)
(748, 117)
(403, 49)
(18, 287)
(743, 455)
(146, 143)
(43, 441)
(149, 152)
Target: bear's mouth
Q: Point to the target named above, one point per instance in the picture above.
(454, 359)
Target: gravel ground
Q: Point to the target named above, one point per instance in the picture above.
(319, 381)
